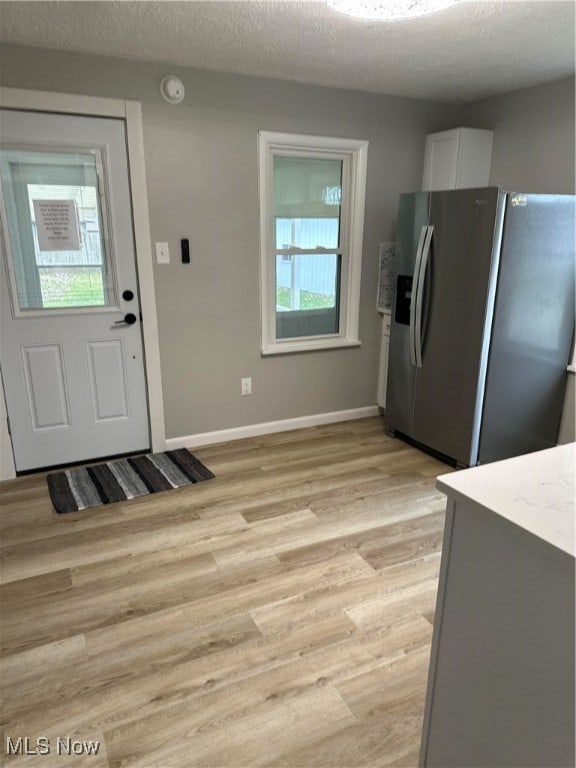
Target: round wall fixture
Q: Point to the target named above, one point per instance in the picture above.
(172, 89)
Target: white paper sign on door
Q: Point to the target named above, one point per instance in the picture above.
(57, 225)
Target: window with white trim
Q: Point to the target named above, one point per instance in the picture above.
(312, 191)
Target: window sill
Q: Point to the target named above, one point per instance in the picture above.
(310, 346)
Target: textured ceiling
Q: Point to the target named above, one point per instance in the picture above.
(476, 48)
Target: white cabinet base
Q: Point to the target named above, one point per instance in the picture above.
(383, 362)
(501, 681)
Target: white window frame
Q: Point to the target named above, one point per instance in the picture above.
(354, 154)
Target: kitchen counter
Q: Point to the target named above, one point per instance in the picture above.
(501, 679)
(534, 492)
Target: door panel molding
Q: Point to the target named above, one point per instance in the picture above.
(131, 113)
(107, 380)
(46, 386)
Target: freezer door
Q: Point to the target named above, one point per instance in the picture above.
(412, 220)
(532, 329)
(458, 287)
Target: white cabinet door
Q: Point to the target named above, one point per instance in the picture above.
(71, 355)
(457, 159)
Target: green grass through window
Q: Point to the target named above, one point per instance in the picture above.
(308, 300)
(74, 287)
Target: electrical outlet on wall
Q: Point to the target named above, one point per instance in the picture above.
(246, 386)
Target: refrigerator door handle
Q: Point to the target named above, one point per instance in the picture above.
(412, 328)
(419, 303)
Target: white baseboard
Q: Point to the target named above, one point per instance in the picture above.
(269, 427)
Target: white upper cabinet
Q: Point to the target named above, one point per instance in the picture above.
(457, 159)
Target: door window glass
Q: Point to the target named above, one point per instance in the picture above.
(56, 230)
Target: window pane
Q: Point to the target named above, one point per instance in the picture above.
(66, 279)
(307, 294)
(307, 233)
(307, 194)
(54, 222)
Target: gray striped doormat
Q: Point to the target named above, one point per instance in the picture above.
(124, 479)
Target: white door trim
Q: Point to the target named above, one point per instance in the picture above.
(131, 113)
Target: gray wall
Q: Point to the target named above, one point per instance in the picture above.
(202, 184)
(534, 139)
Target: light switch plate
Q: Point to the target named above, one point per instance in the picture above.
(162, 253)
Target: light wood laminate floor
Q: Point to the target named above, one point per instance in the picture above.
(278, 615)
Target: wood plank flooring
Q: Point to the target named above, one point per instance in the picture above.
(278, 615)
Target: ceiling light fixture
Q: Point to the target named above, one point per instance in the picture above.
(389, 10)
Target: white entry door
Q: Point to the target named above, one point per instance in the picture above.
(71, 343)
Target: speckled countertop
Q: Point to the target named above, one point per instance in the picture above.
(535, 492)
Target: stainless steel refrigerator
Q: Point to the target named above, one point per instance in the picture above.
(482, 321)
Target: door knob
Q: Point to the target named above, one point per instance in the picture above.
(128, 319)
